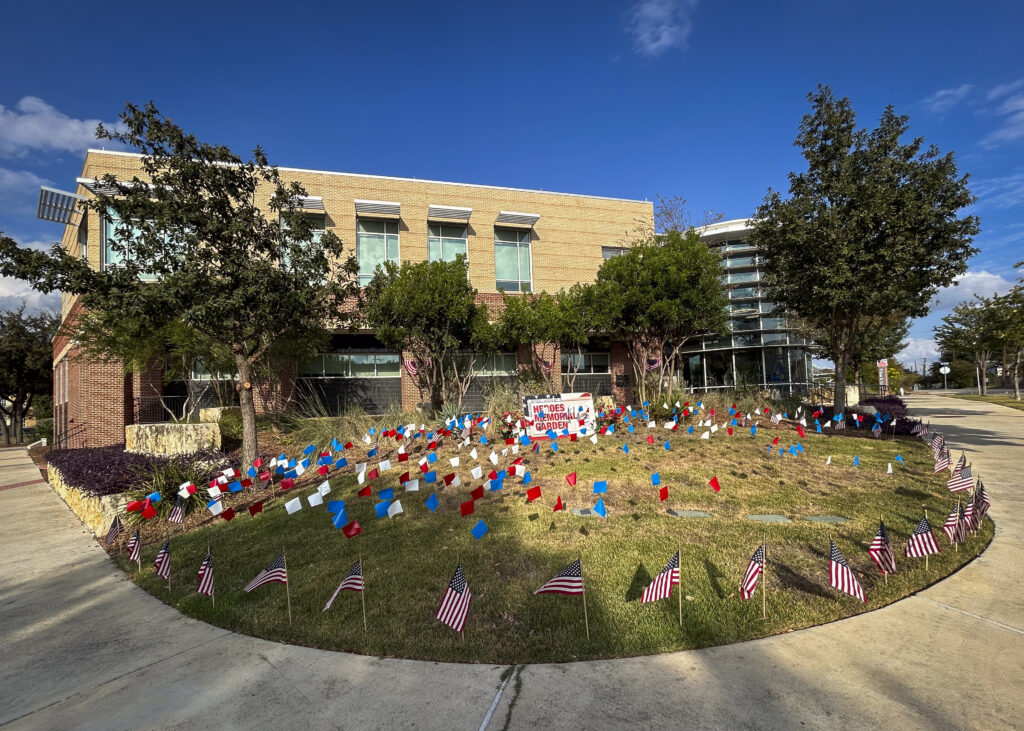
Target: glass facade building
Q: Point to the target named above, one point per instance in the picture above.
(761, 350)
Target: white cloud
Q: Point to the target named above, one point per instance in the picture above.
(916, 349)
(1002, 192)
(660, 25)
(14, 293)
(19, 192)
(35, 125)
(982, 283)
(1011, 112)
(945, 99)
(1003, 89)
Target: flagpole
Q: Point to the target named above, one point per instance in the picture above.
(764, 579)
(287, 590)
(926, 555)
(586, 622)
(362, 594)
(678, 586)
(213, 599)
(956, 528)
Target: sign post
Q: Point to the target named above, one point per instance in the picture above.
(944, 370)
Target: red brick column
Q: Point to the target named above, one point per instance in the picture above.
(411, 396)
(621, 366)
(147, 388)
(273, 395)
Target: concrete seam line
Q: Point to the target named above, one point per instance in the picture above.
(976, 616)
(494, 703)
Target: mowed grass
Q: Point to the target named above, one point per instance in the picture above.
(409, 560)
(1000, 399)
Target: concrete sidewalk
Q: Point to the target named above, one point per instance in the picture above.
(83, 647)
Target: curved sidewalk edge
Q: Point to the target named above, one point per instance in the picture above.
(84, 647)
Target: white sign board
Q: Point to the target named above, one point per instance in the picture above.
(558, 411)
(944, 370)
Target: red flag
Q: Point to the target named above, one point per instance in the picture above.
(766, 409)
(352, 529)
(729, 430)
(532, 494)
(256, 508)
(493, 475)
(149, 511)
(466, 508)
(365, 492)
(650, 439)
(322, 470)
(404, 478)
(714, 483)
(775, 440)
(571, 479)
(558, 505)
(403, 456)
(287, 483)
(373, 474)
(478, 493)
(432, 445)
(246, 482)
(572, 437)
(348, 445)
(510, 440)
(228, 514)
(135, 505)
(258, 462)
(448, 478)
(800, 431)
(265, 476)
(663, 493)
(425, 467)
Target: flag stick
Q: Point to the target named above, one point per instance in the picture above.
(287, 590)
(213, 599)
(764, 580)
(362, 594)
(679, 587)
(168, 559)
(956, 528)
(586, 622)
(885, 574)
(926, 555)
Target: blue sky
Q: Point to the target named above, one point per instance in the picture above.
(631, 99)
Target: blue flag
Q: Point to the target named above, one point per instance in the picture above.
(340, 518)
(899, 459)
(554, 446)
(382, 509)
(496, 485)
(527, 479)
(856, 461)
(155, 496)
(600, 486)
(689, 429)
(430, 477)
(309, 450)
(386, 494)
(667, 446)
(524, 440)
(335, 506)
(235, 486)
(656, 479)
(753, 430)
(342, 462)
(625, 448)
(251, 472)
(479, 530)
(432, 503)
(600, 509)
(432, 457)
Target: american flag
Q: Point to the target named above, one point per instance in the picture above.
(455, 604)
(981, 503)
(162, 564)
(841, 424)
(922, 542)
(952, 525)
(936, 444)
(661, 587)
(177, 513)
(961, 528)
(919, 430)
(134, 546)
(115, 529)
(961, 480)
(960, 464)
(569, 581)
(206, 576)
(971, 516)
(840, 575)
(275, 571)
(880, 551)
(754, 570)
(942, 461)
(776, 419)
(877, 429)
(353, 581)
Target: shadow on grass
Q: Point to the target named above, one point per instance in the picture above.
(715, 576)
(790, 579)
(641, 580)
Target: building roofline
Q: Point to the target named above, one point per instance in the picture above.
(412, 180)
(735, 225)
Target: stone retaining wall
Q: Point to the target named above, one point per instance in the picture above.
(96, 512)
(170, 439)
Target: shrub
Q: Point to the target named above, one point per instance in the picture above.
(100, 471)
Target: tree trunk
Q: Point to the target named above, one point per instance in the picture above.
(839, 396)
(250, 447)
(1016, 382)
(7, 430)
(17, 422)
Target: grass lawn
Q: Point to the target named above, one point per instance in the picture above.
(1001, 399)
(409, 560)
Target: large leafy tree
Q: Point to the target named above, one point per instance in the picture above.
(871, 229)
(428, 310)
(533, 320)
(206, 238)
(658, 295)
(971, 330)
(26, 371)
(577, 311)
(871, 345)
(1008, 326)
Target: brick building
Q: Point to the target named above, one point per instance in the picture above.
(514, 240)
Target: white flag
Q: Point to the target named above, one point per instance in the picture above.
(456, 481)
(504, 452)
(395, 508)
(299, 469)
(293, 506)
(412, 486)
(454, 461)
(315, 499)
(593, 438)
(214, 491)
(493, 457)
(706, 435)
(889, 470)
(361, 477)
(828, 461)
(216, 507)
(515, 449)
(651, 425)
(473, 454)
(714, 428)
(366, 439)
(324, 487)
(183, 490)
(477, 472)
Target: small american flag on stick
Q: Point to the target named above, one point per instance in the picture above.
(661, 587)
(961, 480)
(841, 576)
(275, 571)
(206, 576)
(177, 513)
(922, 542)
(880, 551)
(353, 581)
(754, 569)
(455, 604)
(115, 530)
(162, 564)
(569, 581)
(135, 546)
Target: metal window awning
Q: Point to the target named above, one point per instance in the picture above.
(378, 208)
(309, 202)
(58, 206)
(102, 187)
(449, 212)
(515, 218)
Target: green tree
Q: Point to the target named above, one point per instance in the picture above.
(206, 238)
(428, 310)
(655, 297)
(26, 365)
(870, 345)
(971, 330)
(577, 310)
(1007, 321)
(869, 232)
(533, 320)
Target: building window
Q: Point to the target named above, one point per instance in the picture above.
(111, 257)
(743, 277)
(609, 252)
(743, 293)
(738, 262)
(351, 365)
(445, 242)
(318, 224)
(512, 260)
(376, 243)
(587, 362)
(500, 364)
(773, 323)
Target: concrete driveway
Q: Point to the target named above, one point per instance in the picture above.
(84, 648)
